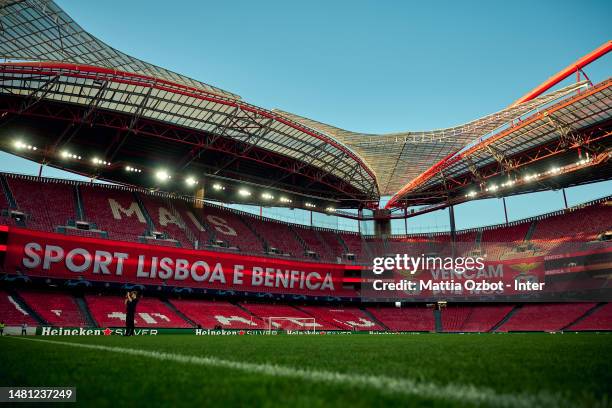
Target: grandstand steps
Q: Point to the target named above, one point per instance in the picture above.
(186, 229)
(368, 250)
(264, 244)
(78, 201)
(82, 305)
(8, 194)
(373, 318)
(585, 315)
(328, 249)
(506, 318)
(299, 239)
(531, 230)
(385, 244)
(143, 209)
(244, 309)
(342, 243)
(22, 303)
(179, 313)
(438, 320)
(210, 231)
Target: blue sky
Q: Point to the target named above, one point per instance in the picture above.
(368, 66)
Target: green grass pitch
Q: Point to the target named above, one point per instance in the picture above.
(311, 371)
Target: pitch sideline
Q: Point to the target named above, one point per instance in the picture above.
(456, 393)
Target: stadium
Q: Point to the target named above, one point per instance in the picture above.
(238, 306)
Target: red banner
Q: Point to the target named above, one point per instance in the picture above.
(59, 256)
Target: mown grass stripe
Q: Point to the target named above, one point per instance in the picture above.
(398, 386)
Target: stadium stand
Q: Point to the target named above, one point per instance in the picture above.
(277, 235)
(405, 319)
(122, 214)
(109, 311)
(98, 204)
(166, 219)
(377, 246)
(58, 309)
(229, 227)
(545, 317)
(345, 318)
(35, 198)
(11, 313)
(558, 232)
(211, 314)
(473, 318)
(355, 245)
(315, 244)
(266, 311)
(599, 319)
(4, 207)
(501, 241)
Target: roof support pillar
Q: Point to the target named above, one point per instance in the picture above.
(505, 210)
(453, 232)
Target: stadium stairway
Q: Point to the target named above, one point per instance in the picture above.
(22, 303)
(262, 241)
(143, 209)
(179, 313)
(531, 230)
(78, 201)
(585, 315)
(385, 244)
(184, 228)
(506, 318)
(438, 319)
(244, 309)
(374, 319)
(324, 243)
(208, 229)
(342, 243)
(299, 238)
(82, 304)
(368, 250)
(7, 193)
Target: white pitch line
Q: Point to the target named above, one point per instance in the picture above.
(398, 386)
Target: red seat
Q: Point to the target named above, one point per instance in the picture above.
(109, 311)
(166, 219)
(266, 311)
(12, 314)
(210, 314)
(405, 319)
(344, 318)
(476, 318)
(48, 204)
(59, 309)
(545, 317)
(229, 227)
(600, 319)
(120, 226)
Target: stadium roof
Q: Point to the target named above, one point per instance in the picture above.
(398, 158)
(40, 30)
(574, 129)
(51, 60)
(74, 67)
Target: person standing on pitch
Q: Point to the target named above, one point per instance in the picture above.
(24, 329)
(131, 300)
(1, 328)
